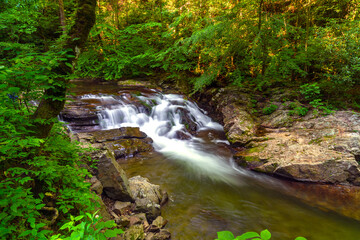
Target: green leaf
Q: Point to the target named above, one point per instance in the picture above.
(32, 222)
(225, 235)
(110, 233)
(79, 217)
(265, 234)
(300, 238)
(25, 233)
(247, 235)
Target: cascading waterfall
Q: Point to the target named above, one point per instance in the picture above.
(169, 120)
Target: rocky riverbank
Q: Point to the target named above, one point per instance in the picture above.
(314, 148)
(134, 203)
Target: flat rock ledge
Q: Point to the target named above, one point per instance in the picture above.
(319, 149)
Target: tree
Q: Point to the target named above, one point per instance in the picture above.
(53, 99)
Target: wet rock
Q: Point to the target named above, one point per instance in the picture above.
(147, 196)
(113, 178)
(125, 148)
(125, 142)
(116, 134)
(80, 115)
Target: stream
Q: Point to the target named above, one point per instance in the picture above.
(193, 163)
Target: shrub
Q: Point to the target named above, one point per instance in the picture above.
(270, 109)
(264, 235)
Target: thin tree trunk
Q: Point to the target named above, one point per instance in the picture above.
(53, 99)
(62, 15)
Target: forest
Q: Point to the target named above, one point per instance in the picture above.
(308, 46)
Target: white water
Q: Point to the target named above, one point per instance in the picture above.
(163, 118)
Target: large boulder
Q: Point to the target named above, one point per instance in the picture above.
(148, 197)
(239, 125)
(322, 149)
(113, 178)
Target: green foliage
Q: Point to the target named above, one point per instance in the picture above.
(264, 235)
(88, 227)
(36, 174)
(310, 91)
(270, 109)
(298, 109)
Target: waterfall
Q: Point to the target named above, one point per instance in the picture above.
(173, 123)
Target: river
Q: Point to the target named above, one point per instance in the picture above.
(193, 163)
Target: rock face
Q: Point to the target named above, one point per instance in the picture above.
(81, 115)
(239, 125)
(113, 178)
(322, 149)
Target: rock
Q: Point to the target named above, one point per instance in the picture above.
(123, 221)
(139, 218)
(147, 196)
(122, 208)
(323, 149)
(113, 178)
(97, 187)
(125, 148)
(277, 119)
(116, 134)
(163, 234)
(159, 222)
(239, 125)
(134, 232)
(81, 115)
(124, 142)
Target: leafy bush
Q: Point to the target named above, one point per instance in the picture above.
(88, 227)
(41, 183)
(270, 109)
(298, 109)
(310, 91)
(264, 235)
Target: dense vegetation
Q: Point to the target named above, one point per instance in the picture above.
(255, 44)
(43, 192)
(260, 44)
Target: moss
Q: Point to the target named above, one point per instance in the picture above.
(257, 149)
(251, 159)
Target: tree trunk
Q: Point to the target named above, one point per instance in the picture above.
(53, 99)
(62, 15)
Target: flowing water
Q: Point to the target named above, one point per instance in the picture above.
(208, 193)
